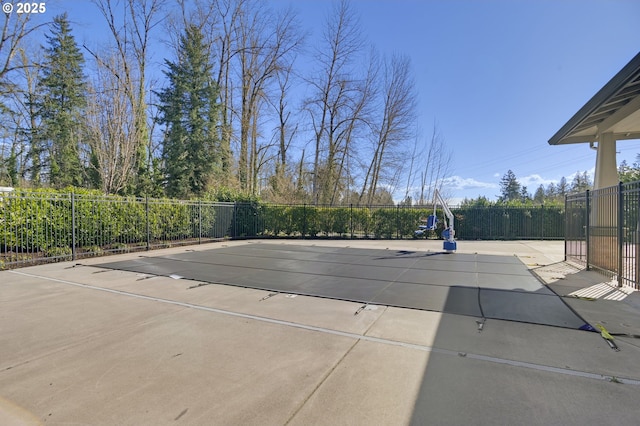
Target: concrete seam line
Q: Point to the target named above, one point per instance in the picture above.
(423, 348)
(375, 321)
(321, 382)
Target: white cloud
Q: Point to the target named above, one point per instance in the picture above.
(591, 173)
(458, 183)
(532, 182)
(535, 180)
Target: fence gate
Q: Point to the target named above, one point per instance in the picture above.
(602, 231)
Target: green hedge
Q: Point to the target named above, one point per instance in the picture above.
(493, 222)
(43, 222)
(341, 222)
(509, 223)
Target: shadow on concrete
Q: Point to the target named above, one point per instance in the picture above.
(474, 374)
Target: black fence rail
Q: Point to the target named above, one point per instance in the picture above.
(47, 227)
(510, 223)
(308, 221)
(38, 227)
(602, 231)
(400, 222)
(576, 235)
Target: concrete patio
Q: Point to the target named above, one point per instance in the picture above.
(86, 345)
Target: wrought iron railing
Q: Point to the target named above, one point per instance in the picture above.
(37, 227)
(602, 231)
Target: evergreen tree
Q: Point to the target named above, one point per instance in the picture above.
(581, 182)
(60, 105)
(510, 187)
(188, 108)
(481, 201)
(539, 196)
(627, 173)
(552, 192)
(563, 188)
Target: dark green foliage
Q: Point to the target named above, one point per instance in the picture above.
(494, 222)
(627, 173)
(189, 109)
(247, 220)
(510, 189)
(509, 223)
(385, 223)
(228, 195)
(562, 189)
(581, 182)
(60, 106)
(36, 221)
(342, 222)
(10, 169)
(362, 222)
(539, 196)
(42, 222)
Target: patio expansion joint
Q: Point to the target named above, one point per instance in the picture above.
(321, 382)
(356, 336)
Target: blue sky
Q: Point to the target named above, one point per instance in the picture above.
(499, 77)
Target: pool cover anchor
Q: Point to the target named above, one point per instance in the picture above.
(366, 307)
(360, 309)
(269, 296)
(607, 337)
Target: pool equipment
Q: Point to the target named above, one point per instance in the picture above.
(448, 233)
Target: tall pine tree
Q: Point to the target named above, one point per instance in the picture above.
(189, 109)
(581, 182)
(563, 188)
(510, 189)
(60, 105)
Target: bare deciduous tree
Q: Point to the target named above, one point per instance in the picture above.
(15, 67)
(111, 128)
(15, 29)
(19, 146)
(394, 127)
(283, 134)
(131, 31)
(436, 167)
(265, 43)
(336, 100)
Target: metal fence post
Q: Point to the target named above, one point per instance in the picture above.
(73, 226)
(620, 233)
(199, 221)
(234, 221)
(636, 241)
(543, 222)
(587, 228)
(397, 222)
(146, 202)
(304, 220)
(351, 218)
(566, 225)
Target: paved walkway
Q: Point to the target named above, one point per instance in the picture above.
(79, 345)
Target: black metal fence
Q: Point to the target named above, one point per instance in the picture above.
(510, 223)
(37, 227)
(602, 231)
(400, 222)
(41, 227)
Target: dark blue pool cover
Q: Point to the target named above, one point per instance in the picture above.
(478, 285)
